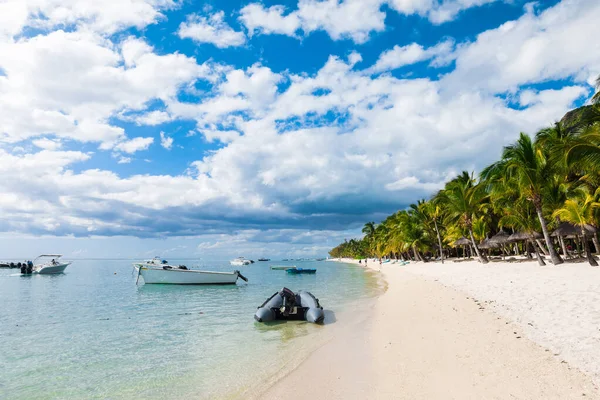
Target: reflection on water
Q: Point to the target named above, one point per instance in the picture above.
(92, 333)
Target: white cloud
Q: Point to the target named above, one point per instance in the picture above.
(535, 48)
(345, 19)
(106, 17)
(212, 29)
(134, 145)
(400, 56)
(124, 160)
(270, 20)
(70, 84)
(353, 19)
(166, 141)
(47, 144)
(152, 118)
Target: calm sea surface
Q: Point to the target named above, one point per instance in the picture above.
(92, 333)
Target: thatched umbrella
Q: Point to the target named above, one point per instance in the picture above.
(499, 239)
(521, 236)
(488, 244)
(463, 241)
(570, 231)
(567, 230)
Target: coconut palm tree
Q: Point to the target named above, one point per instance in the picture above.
(463, 200)
(579, 211)
(527, 165)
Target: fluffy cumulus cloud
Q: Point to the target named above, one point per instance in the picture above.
(212, 29)
(293, 157)
(399, 56)
(108, 16)
(70, 84)
(134, 145)
(342, 19)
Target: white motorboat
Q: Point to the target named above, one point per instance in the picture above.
(52, 265)
(159, 271)
(240, 261)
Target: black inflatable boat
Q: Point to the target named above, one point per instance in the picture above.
(289, 306)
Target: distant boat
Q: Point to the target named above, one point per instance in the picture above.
(157, 271)
(295, 271)
(320, 259)
(240, 261)
(282, 267)
(264, 259)
(51, 265)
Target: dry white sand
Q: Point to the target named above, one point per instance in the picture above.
(430, 341)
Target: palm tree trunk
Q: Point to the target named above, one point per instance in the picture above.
(561, 240)
(439, 241)
(577, 245)
(596, 243)
(537, 255)
(416, 253)
(586, 247)
(553, 256)
(542, 247)
(482, 257)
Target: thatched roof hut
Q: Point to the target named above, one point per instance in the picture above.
(463, 241)
(521, 236)
(568, 230)
(488, 244)
(500, 238)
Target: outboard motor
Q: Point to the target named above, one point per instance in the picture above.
(288, 303)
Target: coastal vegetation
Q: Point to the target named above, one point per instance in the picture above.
(541, 198)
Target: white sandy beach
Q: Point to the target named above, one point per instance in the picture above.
(465, 331)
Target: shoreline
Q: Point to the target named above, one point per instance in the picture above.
(434, 334)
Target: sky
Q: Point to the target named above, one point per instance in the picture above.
(214, 129)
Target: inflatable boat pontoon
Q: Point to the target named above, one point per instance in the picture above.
(286, 305)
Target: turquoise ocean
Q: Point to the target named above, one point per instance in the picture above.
(92, 333)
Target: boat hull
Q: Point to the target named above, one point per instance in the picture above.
(52, 269)
(302, 306)
(187, 277)
(239, 263)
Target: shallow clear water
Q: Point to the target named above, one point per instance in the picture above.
(92, 333)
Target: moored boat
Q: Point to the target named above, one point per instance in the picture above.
(240, 261)
(287, 305)
(282, 267)
(53, 265)
(264, 259)
(158, 271)
(295, 271)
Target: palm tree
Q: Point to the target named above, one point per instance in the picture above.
(579, 210)
(369, 229)
(463, 199)
(526, 164)
(435, 212)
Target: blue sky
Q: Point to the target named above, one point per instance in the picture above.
(137, 127)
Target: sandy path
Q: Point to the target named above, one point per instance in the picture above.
(428, 341)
